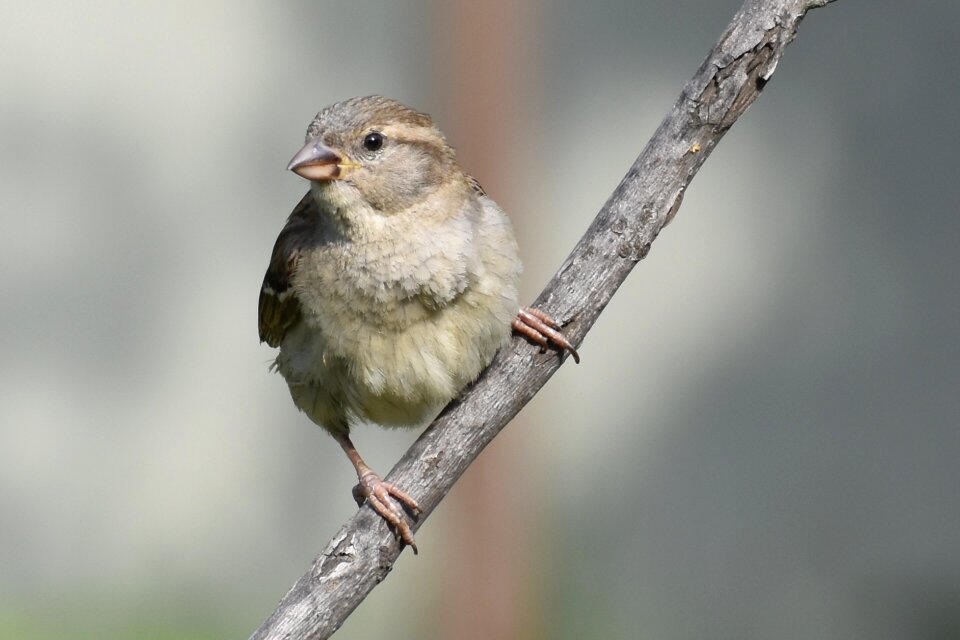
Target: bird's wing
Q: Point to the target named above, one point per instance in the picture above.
(279, 308)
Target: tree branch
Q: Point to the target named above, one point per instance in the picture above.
(728, 81)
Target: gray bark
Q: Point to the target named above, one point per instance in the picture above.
(362, 553)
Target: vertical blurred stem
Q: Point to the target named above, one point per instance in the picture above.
(490, 591)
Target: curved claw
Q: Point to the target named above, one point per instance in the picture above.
(383, 498)
(540, 328)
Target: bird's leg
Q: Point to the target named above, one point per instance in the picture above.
(379, 494)
(540, 328)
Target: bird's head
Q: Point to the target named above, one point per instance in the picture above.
(375, 150)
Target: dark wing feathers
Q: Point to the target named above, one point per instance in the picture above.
(475, 186)
(279, 309)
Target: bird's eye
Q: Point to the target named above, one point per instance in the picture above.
(373, 141)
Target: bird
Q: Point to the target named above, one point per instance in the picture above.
(392, 284)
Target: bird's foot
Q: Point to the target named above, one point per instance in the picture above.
(540, 328)
(383, 498)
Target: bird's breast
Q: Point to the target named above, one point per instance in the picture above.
(396, 324)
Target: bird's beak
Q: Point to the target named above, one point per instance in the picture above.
(316, 161)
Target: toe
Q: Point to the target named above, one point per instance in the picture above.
(543, 330)
(386, 499)
(402, 496)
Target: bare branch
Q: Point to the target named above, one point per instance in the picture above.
(729, 80)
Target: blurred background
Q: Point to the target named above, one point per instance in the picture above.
(761, 442)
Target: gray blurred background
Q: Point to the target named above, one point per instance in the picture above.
(779, 461)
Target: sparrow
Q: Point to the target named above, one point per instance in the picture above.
(392, 284)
